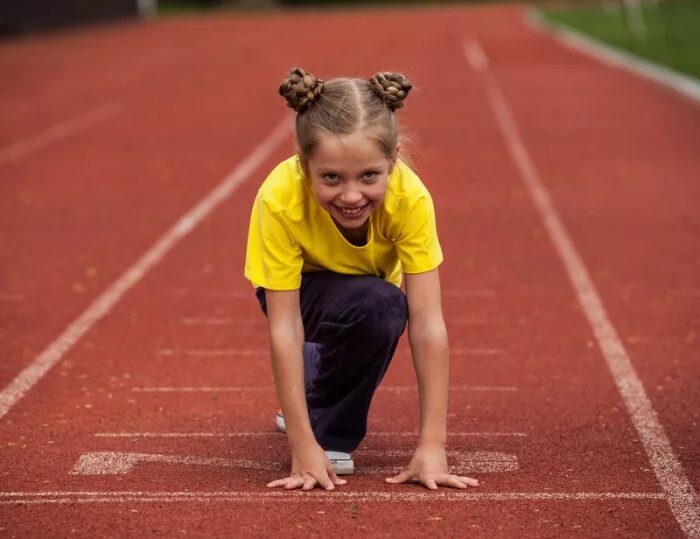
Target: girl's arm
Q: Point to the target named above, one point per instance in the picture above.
(310, 464)
(428, 339)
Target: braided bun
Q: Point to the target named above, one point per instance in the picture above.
(300, 89)
(392, 88)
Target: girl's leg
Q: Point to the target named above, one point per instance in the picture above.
(355, 323)
(352, 325)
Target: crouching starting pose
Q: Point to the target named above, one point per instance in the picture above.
(333, 231)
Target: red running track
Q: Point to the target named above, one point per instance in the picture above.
(158, 419)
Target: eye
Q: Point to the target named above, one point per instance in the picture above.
(329, 177)
(369, 175)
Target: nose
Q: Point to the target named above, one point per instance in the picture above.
(351, 195)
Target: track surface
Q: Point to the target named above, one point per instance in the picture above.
(158, 420)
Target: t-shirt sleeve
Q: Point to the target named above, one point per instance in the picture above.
(273, 259)
(418, 245)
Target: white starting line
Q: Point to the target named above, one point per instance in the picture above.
(254, 434)
(235, 352)
(271, 389)
(339, 496)
(120, 463)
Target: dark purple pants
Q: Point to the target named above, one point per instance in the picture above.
(352, 324)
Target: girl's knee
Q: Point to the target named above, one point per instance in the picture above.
(383, 309)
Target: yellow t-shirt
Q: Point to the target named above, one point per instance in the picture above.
(291, 234)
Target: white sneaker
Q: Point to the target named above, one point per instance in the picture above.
(342, 462)
(279, 422)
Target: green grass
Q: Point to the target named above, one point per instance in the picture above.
(672, 36)
(167, 7)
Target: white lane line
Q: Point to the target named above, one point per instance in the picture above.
(681, 495)
(99, 308)
(440, 496)
(271, 389)
(616, 58)
(255, 434)
(58, 132)
(121, 463)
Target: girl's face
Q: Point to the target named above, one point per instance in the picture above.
(349, 175)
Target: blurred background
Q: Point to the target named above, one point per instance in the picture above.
(664, 31)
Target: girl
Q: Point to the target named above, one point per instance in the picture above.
(332, 231)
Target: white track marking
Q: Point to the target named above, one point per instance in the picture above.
(58, 132)
(99, 308)
(680, 494)
(116, 463)
(255, 434)
(337, 496)
(466, 352)
(414, 389)
(120, 463)
(614, 57)
(270, 389)
(235, 352)
(461, 462)
(205, 389)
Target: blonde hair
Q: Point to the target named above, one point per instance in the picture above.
(343, 106)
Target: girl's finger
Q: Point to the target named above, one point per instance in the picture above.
(278, 482)
(454, 482)
(308, 483)
(336, 480)
(469, 481)
(431, 484)
(326, 483)
(294, 482)
(400, 478)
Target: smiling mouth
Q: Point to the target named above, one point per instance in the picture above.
(351, 212)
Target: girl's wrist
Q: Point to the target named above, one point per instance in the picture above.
(432, 442)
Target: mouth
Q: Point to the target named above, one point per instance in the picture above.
(351, 213)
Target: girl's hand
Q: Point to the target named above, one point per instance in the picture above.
(310, 467)
(429, 467)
